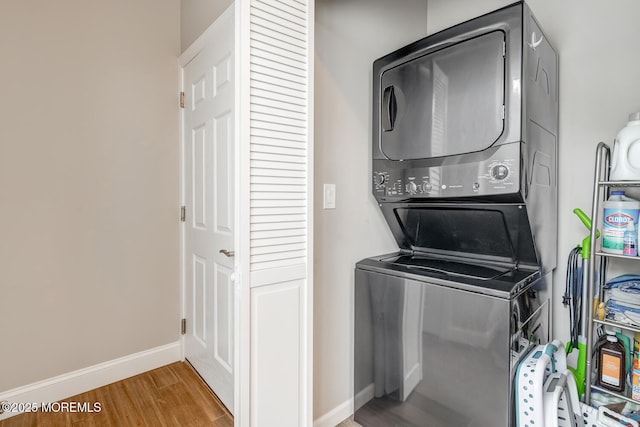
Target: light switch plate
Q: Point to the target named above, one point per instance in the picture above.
(329, 199)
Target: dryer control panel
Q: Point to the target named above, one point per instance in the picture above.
(454, 177)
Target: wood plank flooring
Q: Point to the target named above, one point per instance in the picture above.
(173, 395)
(349, 423)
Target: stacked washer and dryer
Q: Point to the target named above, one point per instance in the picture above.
(465, 126)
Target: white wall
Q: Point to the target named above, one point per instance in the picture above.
(88, 183)
(597, 44)
(196, 16)
(350, 35)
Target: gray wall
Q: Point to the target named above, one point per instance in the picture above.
(196, 16)
(597, 44)
(350, 35)
(88, 183)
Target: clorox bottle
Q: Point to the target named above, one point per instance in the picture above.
(618, 211)
(625, 159)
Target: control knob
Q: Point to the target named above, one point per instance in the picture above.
(426, 187)
(499, 172)
(412, 188)
(379, 179)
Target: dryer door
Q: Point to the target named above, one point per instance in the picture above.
(444, 103)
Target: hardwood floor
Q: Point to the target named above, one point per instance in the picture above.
(173, 395)
(349, 423)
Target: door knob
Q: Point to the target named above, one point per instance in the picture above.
(227, 253)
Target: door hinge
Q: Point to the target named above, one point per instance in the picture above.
(181, 99)
(183, 326)
(504, 50)
(183, 213)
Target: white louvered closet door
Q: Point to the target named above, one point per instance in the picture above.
(279, 144)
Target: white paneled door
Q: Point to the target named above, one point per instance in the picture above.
(209, 206)
(279, 133)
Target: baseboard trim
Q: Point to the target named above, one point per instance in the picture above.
(82, 380)
(363, 396)
(336, 415)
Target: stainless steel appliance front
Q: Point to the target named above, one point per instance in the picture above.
(429, 354)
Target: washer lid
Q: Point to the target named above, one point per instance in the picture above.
(507, 282)
(494, 233)
(449, 267)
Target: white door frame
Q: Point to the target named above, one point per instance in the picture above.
(244, 354)
(241, 295)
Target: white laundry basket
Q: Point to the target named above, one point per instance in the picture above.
(546, 394)
(561, 402)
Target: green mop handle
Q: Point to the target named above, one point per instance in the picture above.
(579, 372)
(585, 253)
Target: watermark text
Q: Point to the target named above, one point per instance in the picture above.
(66, 406)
